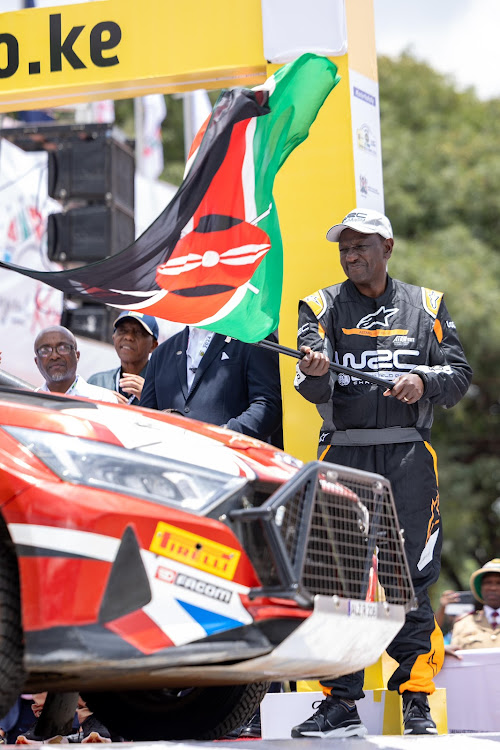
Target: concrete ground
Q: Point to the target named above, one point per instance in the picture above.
(443, 742)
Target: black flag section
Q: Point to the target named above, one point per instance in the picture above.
(129, 277)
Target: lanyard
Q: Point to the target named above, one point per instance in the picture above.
(196, 359)
(72, 387)
(193, 358)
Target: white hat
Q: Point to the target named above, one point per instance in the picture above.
(364, 220)
(476, 579)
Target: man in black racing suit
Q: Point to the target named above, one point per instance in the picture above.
(403, 333)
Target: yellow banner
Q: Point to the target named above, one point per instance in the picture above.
(123, 48)
(119, 49)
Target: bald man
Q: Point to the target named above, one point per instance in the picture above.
(56, 356)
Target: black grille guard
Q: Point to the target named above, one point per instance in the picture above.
(330, 530)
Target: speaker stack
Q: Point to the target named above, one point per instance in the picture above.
(91, 171)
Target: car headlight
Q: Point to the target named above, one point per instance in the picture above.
(111, 467)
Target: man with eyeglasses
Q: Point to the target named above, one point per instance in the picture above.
(405, 335)
(56, 356)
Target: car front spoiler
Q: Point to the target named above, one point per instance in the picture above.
(339, 637)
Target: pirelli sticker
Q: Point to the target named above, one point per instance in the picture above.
(196, 551)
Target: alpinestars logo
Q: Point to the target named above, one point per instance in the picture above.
(377, 324)
(380, 319)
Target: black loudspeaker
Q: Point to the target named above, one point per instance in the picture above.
(89, 233)
(92, 173)
(100, 169)
(90, 321)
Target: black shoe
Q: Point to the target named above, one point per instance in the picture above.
(334, 718)
(94, 731)
(417, 714)
(30, 738)
(251, 730)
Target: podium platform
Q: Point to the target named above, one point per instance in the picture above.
(466, 700)
(472, 686)
(380, 712)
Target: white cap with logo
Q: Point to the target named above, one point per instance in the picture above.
(364, 220)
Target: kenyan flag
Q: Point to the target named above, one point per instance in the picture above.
(226, 272)
(214, 256)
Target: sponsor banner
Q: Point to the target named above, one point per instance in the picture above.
(99, 50)
(152, 110)
(288, 31)
(26, 306)
(367, 152)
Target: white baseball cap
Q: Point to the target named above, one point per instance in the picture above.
(364, 220)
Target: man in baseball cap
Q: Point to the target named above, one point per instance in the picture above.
(373, 323)
(135, 337)
(146, 321)
(364, 220)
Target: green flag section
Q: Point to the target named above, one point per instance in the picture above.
(236, 226)
(214, 256)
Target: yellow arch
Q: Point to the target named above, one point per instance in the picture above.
(121, 49)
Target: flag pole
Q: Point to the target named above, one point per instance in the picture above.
(280, 349)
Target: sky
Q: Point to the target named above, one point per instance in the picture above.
(456, 37)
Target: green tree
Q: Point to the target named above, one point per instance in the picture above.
(441, 181)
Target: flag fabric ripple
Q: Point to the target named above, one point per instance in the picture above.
(214, 258)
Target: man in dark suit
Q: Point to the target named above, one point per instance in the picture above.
(216, 379)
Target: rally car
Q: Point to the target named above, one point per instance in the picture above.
(167, 570)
